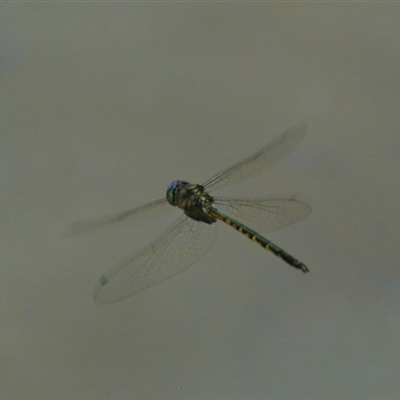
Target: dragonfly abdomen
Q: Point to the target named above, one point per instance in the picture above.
(256, 237)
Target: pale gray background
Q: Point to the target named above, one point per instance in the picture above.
(104, 104)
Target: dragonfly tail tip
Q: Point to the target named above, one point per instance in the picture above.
(304, 268)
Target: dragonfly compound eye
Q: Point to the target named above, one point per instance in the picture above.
(171, 198)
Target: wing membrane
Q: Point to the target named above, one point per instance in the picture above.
(174, 251)
(266, 215)
(269, 154)
(144, 210)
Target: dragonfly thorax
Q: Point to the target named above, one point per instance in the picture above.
(191, 198)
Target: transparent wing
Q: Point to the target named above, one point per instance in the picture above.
(266, 156)
(266, 215)
(145, 210)
(174, 251)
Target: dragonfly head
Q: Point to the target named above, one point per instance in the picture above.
(173, 191)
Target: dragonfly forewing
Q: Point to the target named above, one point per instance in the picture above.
(145, 210)
(266, 156)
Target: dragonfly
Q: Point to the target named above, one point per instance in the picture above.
(194, 232)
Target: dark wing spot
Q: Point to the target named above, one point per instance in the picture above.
(103, 280)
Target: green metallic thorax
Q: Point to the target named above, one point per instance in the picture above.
(191, 198)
